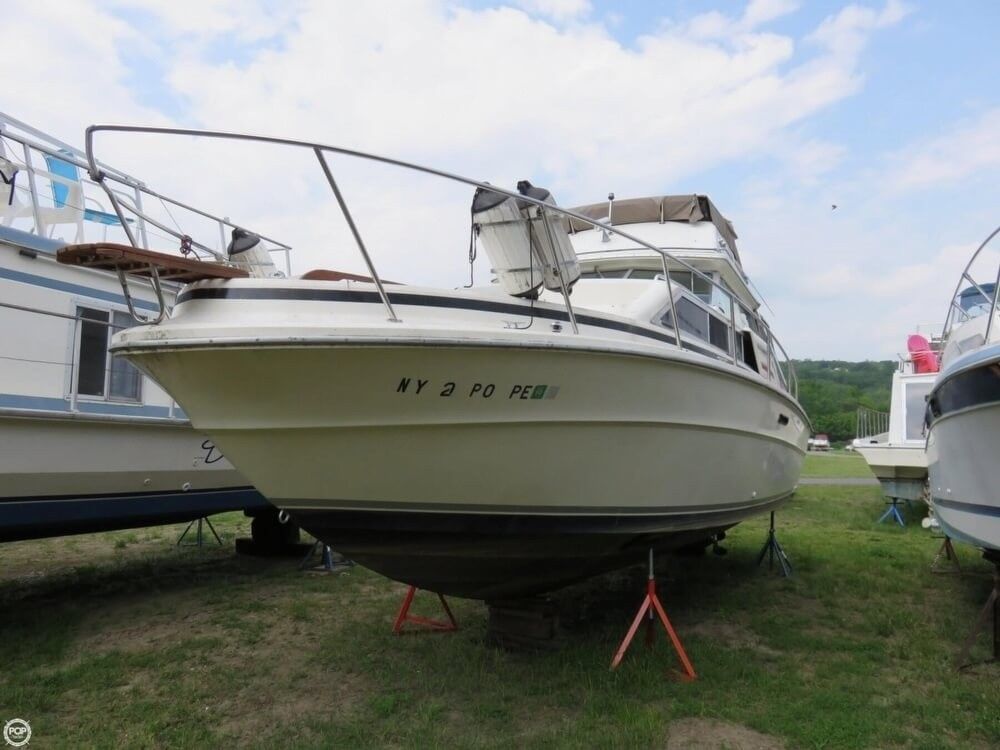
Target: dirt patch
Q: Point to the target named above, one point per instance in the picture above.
(126, 627)
(732, 636)
(251, 714)
(711, 734)
(286, 656)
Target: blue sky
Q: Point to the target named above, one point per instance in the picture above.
(778, 109)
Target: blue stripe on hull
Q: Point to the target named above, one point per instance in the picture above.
(66, 286)
(36, 518)
(986, 511)
(46, 403)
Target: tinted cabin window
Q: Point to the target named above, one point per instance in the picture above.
(681, 277)
(125, 379)
(749, 354)
(718, 333)
(98, 373)
(693, 318)
(93, 352)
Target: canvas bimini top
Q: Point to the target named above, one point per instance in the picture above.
(659, 208)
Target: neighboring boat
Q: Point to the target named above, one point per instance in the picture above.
(500, 441)
(964, 411)
(89, 444)
(893, 444)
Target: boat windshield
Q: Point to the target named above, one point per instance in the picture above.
(973, 300)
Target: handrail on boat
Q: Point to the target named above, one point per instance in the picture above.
(57, 149)
(321, 149)
(949, 321)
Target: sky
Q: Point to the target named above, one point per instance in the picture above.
(777, 109)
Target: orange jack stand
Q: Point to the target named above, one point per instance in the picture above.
(650, 603)
(404, 617)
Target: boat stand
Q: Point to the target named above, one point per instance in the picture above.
(426, 623)
(947, 550)
(651, 603)
(992, 606)
(327, 562)
(199, 539)
(893, 512)
(773, 550)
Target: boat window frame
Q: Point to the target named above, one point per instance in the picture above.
(79, 308)
(687, 294)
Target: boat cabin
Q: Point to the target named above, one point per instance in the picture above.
(711, 296)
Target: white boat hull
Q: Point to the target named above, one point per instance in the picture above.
(961, 449)
(72, 475)
(900, 469)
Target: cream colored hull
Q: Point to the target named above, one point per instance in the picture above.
(344, 427)
(479, 447)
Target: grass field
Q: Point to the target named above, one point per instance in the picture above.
(835, 465)
(122, 639)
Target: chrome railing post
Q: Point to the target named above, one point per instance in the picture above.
(993, 307)
(562, 279)
(357, 234)
(732, 328)
(770, 356)
(139, 216)
(222, 235)
(116, 205)
(32, 189)
(673, 307)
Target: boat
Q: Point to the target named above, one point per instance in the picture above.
(893, 443)
(964, 410)
(89, 443)
(613, 390)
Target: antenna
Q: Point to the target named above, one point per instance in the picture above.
(605, 236)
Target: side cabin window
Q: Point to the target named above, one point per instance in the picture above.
(701, 287)
(698, 321)
(99, 375)
(622, 273)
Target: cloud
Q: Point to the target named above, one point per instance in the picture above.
(247, 21)
(970, 147)
(848, 31)
(557, 10)
(496, 92)
(716, 25)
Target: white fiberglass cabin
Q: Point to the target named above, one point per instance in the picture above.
(893, 444)
(88, 442)
(615, 389)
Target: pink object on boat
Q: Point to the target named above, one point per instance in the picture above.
(923, 357)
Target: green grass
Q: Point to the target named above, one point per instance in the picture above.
(835, 464)
(154, 646)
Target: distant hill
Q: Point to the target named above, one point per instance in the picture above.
(831, 392)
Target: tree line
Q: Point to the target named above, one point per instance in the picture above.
(831, 391)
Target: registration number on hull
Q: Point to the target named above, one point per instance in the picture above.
(451, 388)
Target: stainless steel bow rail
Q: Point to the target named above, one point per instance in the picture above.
(956, 313)
(321, 150)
